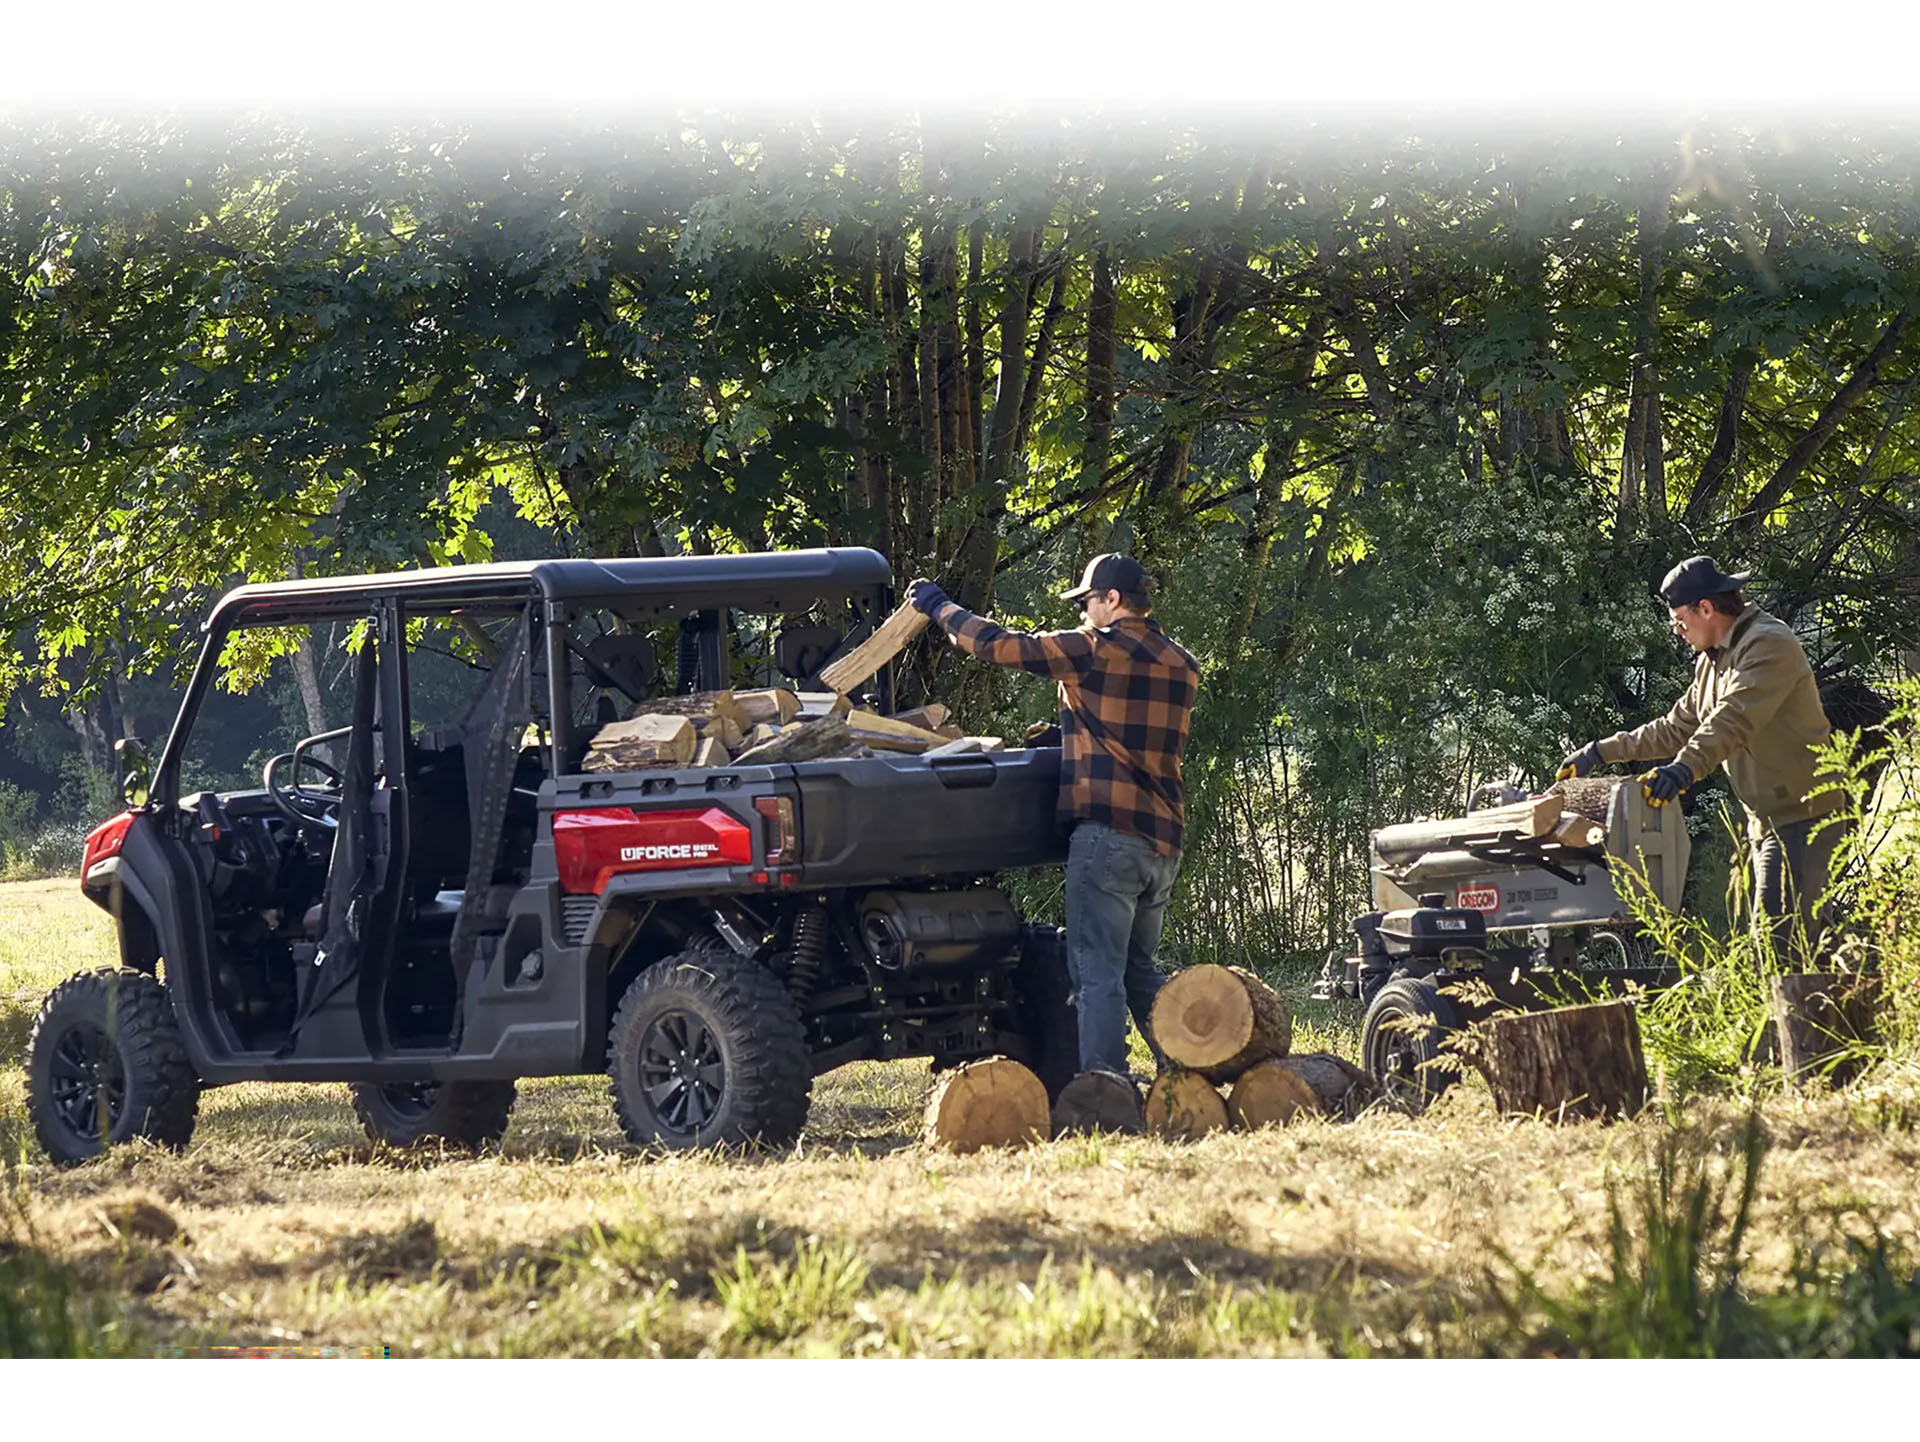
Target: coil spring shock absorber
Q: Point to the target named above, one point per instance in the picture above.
(809, 952)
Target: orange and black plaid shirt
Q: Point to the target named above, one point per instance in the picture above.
(1126, 698)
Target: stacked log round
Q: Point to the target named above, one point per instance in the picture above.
(993, 1102)
(1098, 1101)
(1220, 1020)
(1184, 1106)
(1315, 1083)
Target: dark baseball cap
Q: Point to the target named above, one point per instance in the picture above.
(1695, 579)
(1111, 572)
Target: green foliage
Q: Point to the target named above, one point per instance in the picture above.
(779, 1298)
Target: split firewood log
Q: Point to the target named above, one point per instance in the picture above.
(775, 706)
(802, 741)
(1098, 1101)
(993, 1102)
(885, 733)
(1316, 1083)
(1184, 1106)
(641, 741)
(1220, 1020)
(723, 729)
(888, 640)
(710, 752)
(695, 705)
(930, 717)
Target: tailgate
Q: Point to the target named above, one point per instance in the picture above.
(887, 817)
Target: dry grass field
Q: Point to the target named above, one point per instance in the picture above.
(280, 1226)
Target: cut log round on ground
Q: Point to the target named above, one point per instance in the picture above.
(1098, 1101)
(888, 640)
(1184, 1106)
(641, 741)
(1269, 1095)
(802, 741)
(1220, 1020)
(993, 1102)
(1330, 1085)
(1575, 1062)
(1823, 1020)
(775, 706)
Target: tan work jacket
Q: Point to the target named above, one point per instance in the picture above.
(1754, 706)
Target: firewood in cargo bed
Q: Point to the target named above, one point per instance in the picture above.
(802, 741)
(1184, 1106)
(888, 640)
(887, 733)
(1314, 1083)
(697, 705)
(1098, 1101)
(1220, 1020)
(641, 741)
(1575, 1062)
(993, 1102)
(930, 717)
(775, 706)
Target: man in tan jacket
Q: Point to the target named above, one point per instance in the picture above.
(1754, 708)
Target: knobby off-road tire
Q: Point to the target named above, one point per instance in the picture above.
(106, 1041)
(456, 1114)
(1048, 1021)
(1402, 1033)
(708, 1049)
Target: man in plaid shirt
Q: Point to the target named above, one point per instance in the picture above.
(1126, 697)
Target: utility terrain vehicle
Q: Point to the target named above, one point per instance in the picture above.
(432, 900)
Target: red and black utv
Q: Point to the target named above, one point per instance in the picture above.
(433, 899)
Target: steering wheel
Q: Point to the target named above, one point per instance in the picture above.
(312, 807)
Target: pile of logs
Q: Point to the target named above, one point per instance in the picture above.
(724, 728)
(1222, 1027)
(1227, 1039)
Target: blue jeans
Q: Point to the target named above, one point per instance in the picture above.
(1117, 890)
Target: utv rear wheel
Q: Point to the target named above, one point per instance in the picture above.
(708, 1049)
(415, 1114)
(106, 1064)
(1401, 1037)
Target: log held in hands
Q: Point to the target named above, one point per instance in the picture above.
(889, 639)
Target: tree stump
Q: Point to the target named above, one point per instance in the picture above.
(1220, 1020)
(1098, 1101)
(1822, 1019)
(993, 1102)
(1318, 1082)
(1184, 1106)
(1577, 1062)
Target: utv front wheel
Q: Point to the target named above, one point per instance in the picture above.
(708, 1049)
(414, 1114)
(106, 1065)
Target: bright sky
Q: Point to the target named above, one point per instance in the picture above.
(1542, 56)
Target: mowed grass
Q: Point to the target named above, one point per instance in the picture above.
(281, 1226)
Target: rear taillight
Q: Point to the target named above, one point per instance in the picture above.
(782, 839)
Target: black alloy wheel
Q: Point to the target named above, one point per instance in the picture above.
(106, 1065)
(1400, 1042)
(682, 1070)
(708, 1049)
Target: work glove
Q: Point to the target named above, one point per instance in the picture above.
(924, 595)
(1663, 783)
(1580, 762)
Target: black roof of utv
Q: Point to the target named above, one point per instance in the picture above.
(758, 581)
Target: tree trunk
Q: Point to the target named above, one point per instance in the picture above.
(1184, 1106)
(1643, 473)
(1577, 1062)
(1098, 1101)
(1220, 1020)
(1823, 1021)
(995, 1102)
